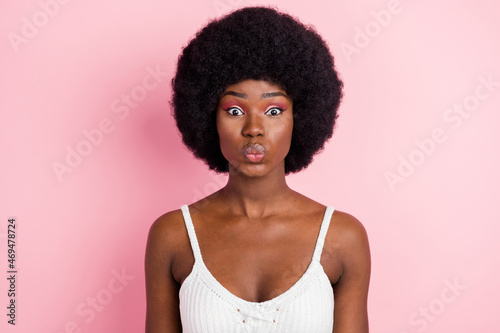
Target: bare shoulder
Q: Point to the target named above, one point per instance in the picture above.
(346, 246)
(167, 233)
(165, 241)
(347, 229)
(347, 241)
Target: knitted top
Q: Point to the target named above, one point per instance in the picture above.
(207, 307)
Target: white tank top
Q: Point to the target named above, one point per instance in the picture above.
(207, 307)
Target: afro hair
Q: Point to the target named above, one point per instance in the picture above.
(257, 43)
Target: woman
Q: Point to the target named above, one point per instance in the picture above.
(256, 95)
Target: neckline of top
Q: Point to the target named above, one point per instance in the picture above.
(315, 262)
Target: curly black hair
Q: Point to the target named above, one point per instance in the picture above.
(257, 43)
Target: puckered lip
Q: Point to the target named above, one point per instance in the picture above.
(254, 152)
(254, 148)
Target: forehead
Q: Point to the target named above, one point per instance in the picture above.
(254, 88)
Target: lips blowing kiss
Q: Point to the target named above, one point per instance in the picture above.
(254, 152)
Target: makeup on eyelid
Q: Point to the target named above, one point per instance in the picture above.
(227, 106)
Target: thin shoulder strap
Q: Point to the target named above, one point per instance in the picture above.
(191, 233)
(322, 233)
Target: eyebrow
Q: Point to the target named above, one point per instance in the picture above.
(273, 94)
(245, 96)
(234, 93)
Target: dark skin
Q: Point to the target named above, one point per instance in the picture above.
(256, 235)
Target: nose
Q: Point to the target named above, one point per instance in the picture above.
(253, 126)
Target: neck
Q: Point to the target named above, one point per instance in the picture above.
(256, 197)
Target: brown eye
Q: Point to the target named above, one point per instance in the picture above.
(274, 111)
(234, 111)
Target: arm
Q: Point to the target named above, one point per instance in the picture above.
(162, 290)
(351, 289)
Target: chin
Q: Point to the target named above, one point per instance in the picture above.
(253, 170)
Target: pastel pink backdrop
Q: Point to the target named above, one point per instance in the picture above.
(418, 172)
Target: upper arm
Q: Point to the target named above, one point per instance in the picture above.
(351, 289)
(162, 290)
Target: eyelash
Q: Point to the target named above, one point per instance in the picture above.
(267, 112)
(233, 108)
(275, 108)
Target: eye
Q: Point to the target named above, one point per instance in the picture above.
(234, 111)
(274, 111)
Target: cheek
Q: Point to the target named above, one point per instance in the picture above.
(284, 138)
(225, 137)
(223, 141)
(288, 130)
(221, 128)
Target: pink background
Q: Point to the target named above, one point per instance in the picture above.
(420, 175)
